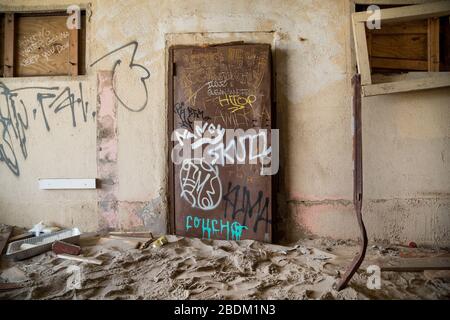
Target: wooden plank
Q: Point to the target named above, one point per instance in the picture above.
(362, 53)
(145, 244)
(436, 274)
(419, 11)
(82, 45)
(400, 46)
(391, 2)
(133, 239)
(416, 264)
(405, 27)
(436, 80)
(433, 44)
(2, 42)
(73, 52)
(55, 184)
(414, 268)
(22, 236)
(80, 259)
(369, 44)
(122, 244)
(11, 286)
(445, 45)
(5, 233)
(139, 234)
(399, 64)
(40, 9)
(43, 46)
(8, 56)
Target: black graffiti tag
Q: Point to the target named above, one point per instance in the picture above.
(133, 67)
(238, 202)
(14, 120)
(188, 115)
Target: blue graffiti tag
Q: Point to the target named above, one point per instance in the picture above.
(215, 227)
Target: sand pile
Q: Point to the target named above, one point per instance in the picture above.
(211, 269)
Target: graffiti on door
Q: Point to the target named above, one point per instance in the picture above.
(224, 151)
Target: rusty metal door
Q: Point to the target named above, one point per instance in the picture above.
(219, 112)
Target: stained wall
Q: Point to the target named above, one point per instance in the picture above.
(406, 136)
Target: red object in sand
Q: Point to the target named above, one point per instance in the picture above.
(61, 247)
(412, 245)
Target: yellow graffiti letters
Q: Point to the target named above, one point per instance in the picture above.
(236, 102)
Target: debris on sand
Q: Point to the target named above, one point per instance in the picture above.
(187, 268)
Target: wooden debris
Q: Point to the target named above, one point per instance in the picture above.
(8, 38)
(61, 247)
(5, 233)
(414, 268)
(10, 286)
(80, 259)
(21, 236)
(143, 234)
(95, 234)
(417, 264)
(413, 253)
(146, 244)
(138, 243)
(130, 239)
(123, 244)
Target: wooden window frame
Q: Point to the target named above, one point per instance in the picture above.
(9, 42)
(433, 79)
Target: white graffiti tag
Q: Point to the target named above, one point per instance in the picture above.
(200, 184)
(219, 146)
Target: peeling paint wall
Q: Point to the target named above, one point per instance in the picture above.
(406, 137)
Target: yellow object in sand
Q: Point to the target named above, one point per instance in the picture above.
(159, 242)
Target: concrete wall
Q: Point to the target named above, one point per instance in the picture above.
(406, 136)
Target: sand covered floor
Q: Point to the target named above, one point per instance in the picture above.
(211, 269)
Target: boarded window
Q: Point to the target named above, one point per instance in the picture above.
(41, 44)
(404, 23)
(417, 45)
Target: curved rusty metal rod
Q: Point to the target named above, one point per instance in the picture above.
(357, 182)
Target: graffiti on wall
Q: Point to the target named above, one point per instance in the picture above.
(132, 70)
(116, 67)
(15, 115)
(19, 105)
